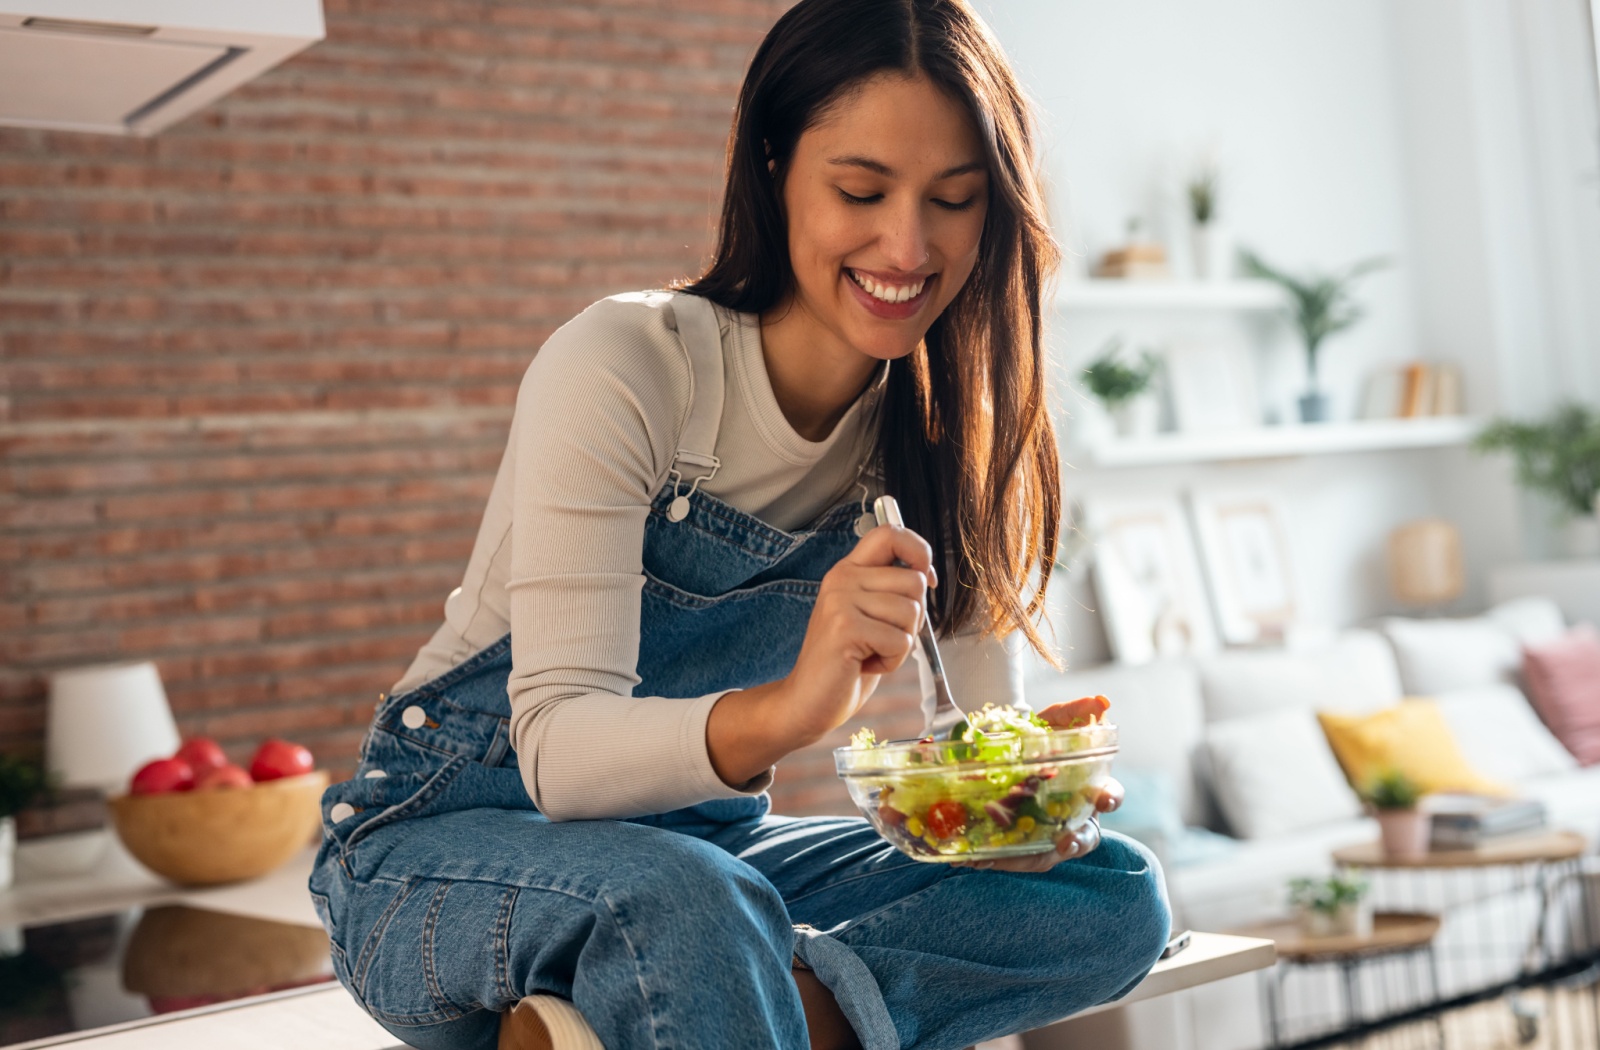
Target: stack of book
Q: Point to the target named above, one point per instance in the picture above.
(1466, 821)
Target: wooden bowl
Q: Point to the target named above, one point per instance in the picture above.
(200, 838)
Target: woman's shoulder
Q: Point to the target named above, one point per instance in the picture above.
(632, 335)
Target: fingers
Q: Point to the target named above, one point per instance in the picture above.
(888, 643)
(887, 544)
(907, 583)
(1111, 795)
(893, 609)
(1084, 841)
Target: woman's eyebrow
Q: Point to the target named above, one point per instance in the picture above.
(883, 169)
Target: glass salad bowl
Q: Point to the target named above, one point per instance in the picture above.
(1006, 790)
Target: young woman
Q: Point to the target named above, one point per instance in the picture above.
(672, 588)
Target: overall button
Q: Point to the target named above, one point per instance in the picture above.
(375, 774)
(341, 811)
(413, 717)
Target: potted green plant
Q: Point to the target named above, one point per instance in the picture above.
(1393, 798)
(1122, 387)
(1559, 457)
(1208, 238)
(21, 781)
(1335, 906)
(1322, 306)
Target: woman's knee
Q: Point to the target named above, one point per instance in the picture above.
(703, 888)
(1136, 902)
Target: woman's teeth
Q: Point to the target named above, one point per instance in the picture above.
(887, 292)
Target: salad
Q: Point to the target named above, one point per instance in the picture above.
(1004, 783)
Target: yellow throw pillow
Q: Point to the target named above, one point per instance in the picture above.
(1411, 737)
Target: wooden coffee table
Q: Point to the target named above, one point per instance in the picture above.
(1544, 847)
(1393, 933)
(1545, 858)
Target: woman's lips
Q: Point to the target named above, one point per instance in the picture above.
(890, 311)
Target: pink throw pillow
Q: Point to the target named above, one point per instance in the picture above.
(1563, 680)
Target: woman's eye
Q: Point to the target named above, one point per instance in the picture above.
(850, 198)
(957, 205)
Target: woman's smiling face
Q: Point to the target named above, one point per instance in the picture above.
(885, 199)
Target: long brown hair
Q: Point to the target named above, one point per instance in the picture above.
(966, 442)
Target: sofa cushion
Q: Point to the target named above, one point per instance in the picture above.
(1437, 656)
(1571, 800)
(1250, 883)
(1500, 736)
(1531, 621)
(1412, 738)
(1156, 708)
(1354, 673)
(1273, 774)
(1563, 678)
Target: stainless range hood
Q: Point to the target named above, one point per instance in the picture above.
(132, 67)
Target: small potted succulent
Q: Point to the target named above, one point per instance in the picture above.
(21, 781)
(1559, 457)
(1336, 906)
(1322, 306)
(1404, 828)
(1124, 388)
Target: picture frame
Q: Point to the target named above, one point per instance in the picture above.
(1147, 578)
(1244, 545)
(1213, 386)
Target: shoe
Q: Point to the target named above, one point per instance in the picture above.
(543, 1022)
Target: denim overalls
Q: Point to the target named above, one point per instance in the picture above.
(448, 897)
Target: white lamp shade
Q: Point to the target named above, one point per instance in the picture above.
(106, 722)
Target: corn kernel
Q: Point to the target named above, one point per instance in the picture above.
(1013, 837)
(1025, 824)
(914, 826)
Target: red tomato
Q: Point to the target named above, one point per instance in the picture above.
(202, 753)
(162, 775)
(223, 776)
(947, 818)
(279, 758)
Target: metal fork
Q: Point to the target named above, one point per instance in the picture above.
(943, 714)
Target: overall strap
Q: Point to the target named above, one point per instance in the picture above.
(701, 334)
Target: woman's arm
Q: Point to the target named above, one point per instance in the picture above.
(596, 425)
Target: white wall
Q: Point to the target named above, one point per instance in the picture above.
(1343, 128)
(1297, 101)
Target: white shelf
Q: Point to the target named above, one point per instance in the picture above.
(1102, 294)
(1277, 442)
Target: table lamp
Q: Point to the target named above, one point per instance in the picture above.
(105, 722)
(1425, 562)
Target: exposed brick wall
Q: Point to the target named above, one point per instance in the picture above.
(259, 368)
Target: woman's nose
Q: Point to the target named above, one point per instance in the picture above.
(904, 240)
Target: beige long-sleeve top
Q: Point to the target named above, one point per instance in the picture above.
(558, 557)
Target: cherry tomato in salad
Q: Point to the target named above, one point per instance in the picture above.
(947, 818)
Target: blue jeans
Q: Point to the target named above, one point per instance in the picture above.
(682, 935)
(448, 897)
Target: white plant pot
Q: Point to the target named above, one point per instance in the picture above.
(1348, 920)
(8, 850)
(1212, 245)
(1136, 417)
(1580, 537)
(1404, 832)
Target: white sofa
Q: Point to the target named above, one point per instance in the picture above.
(1234, 740)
